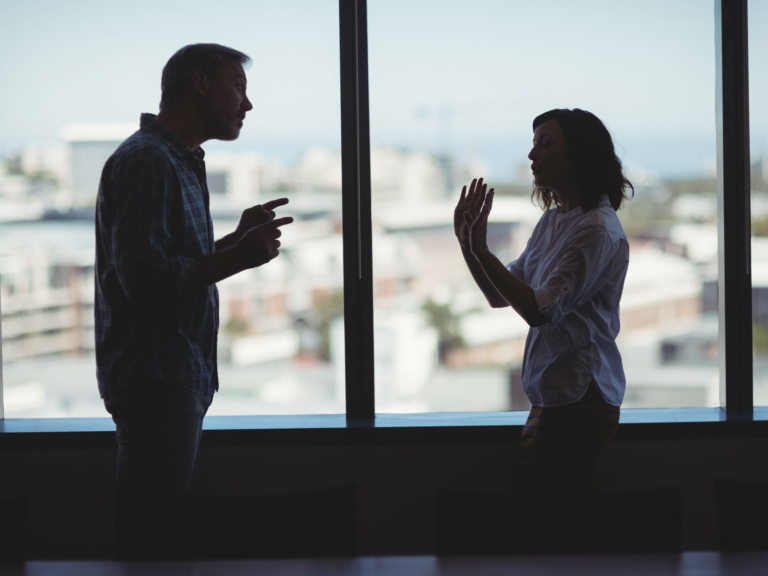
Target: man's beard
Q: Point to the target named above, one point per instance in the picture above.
(224, 126)
(230, 135)
(228, 132)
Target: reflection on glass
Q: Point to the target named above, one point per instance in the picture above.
(454, 89)
(277, 322)
(758, 92)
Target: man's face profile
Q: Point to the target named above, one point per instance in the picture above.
(227, 103)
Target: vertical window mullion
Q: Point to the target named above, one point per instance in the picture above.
(733, 183)
(356, 210)
(2, 390)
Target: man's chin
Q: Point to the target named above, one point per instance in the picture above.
(229, 135)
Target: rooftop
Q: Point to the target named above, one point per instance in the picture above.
(116, 132)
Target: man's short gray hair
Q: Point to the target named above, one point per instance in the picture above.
(178, 71)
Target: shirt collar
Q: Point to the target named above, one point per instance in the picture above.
(579, 210)
(151, 124)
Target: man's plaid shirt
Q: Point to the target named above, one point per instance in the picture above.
(152, 221)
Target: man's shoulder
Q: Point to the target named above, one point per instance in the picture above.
(141, 148)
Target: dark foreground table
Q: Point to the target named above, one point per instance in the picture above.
(686, 564)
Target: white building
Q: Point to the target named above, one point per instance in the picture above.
(46, 291)
(405, 358)
(91, 145)
(240, 176)
(48, 159)
(428, 225)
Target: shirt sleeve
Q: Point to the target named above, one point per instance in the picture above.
(590, 261)
(517, 267)
(142, 249)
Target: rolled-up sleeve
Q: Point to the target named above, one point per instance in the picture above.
(517, 267)
(588, 264)
(142, 199)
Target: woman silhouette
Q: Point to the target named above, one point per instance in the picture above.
(566, 285)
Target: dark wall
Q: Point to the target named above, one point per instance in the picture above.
(70, 490)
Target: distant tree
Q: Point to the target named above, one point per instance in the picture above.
(327, 308)
(760, 338)
(442, 318)
(760, 226)
(757, 178)
(282, 187)
(703, 185)
(236, 326)
(646, 214)
(13, 165)
(649, 213)
(43, 177)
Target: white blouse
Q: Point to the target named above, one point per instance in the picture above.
(576, 263)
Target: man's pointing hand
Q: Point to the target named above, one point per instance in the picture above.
(258, 215)
(259, 245)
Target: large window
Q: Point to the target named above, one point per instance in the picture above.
(454, 89)
(758, 95)
(82, 74)
(379, 111)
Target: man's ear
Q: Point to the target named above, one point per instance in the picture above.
(201, 83)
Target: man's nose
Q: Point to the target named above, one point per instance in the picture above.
(247, 104)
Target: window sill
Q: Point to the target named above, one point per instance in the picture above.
(440, 428)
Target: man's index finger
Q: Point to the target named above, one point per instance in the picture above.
(275, 203)
(281, 221)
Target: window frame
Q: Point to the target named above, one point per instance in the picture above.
(733, 196)
(734, 272)
(733, 202)
(356, 210)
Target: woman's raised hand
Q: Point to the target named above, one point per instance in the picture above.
(469, 203)
(478, 226)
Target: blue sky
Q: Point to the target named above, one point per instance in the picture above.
(444, 74)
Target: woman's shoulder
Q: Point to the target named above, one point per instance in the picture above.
(604, 218)
(547, 216)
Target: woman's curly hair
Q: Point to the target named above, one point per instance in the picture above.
(590, 150)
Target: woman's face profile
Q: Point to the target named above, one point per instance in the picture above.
(549, 157)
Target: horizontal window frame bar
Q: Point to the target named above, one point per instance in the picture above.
(642, 424)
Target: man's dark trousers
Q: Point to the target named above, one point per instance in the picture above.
(159, 426)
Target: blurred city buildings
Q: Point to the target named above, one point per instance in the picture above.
(439, 347)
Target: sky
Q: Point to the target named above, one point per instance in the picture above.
(465, 77)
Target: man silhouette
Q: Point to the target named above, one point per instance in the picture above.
(157, 305)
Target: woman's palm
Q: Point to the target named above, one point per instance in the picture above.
(478, 226)
(469, 203)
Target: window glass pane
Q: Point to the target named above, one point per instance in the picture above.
(758, 117)
(454, 89)
(80, 75)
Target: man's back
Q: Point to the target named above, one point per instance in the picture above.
(152, 222)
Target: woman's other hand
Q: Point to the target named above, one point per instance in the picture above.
(469, 203)
(478, 226)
